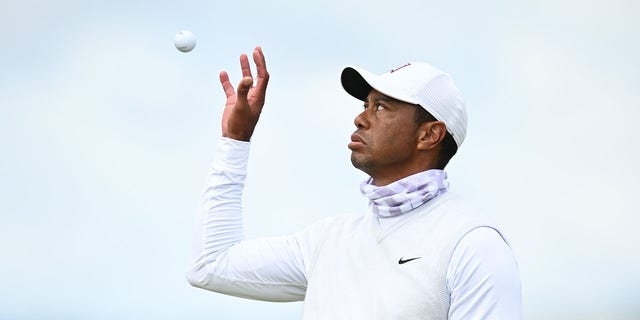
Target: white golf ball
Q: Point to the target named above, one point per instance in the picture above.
(185, 41)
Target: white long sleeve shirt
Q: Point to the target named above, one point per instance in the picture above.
(482, 277)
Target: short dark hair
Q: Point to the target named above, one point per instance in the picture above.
(448, 148)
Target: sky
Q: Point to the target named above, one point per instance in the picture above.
(107, 131)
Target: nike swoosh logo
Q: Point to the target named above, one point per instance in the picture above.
(403, 261)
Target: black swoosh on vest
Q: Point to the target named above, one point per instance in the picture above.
(402, 261)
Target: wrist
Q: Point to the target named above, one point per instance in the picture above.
(240, 136)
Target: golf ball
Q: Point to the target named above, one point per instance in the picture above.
(185, 41)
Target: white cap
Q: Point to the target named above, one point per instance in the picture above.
(415, 83)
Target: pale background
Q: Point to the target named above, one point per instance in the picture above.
(106, 132)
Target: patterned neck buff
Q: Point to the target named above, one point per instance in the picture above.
(406, 194)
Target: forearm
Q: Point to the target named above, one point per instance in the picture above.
(218, 224)
(265, 269)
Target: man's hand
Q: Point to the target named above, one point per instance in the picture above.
(242, 109)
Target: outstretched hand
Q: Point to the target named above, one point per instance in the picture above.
(243, 107)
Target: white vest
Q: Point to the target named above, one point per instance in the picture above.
(359, 271)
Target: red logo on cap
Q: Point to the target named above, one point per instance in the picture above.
(400, 67)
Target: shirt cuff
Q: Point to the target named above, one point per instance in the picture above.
(232, 156)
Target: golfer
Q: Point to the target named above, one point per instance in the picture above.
(419, 252)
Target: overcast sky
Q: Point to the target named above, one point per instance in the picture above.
(106, 133)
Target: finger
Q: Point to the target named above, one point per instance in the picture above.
(226, 84)
(243, 90)
(263, 75)
(245, 66)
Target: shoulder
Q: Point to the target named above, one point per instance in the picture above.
(454, 203)
(449, 217)
(330, 226)
(483, 277)
(335, 223)
(484, 245)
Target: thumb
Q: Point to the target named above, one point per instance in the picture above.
(243, 88)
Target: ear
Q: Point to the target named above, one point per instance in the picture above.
(430, 134)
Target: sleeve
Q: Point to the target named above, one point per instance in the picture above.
(483, 278)
(271, 269)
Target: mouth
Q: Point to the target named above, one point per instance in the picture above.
(356, 142)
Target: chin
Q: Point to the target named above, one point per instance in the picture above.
(361, 164)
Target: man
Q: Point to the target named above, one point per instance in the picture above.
(419, 253)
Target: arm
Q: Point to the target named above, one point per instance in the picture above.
(483, 278)
(266, 269)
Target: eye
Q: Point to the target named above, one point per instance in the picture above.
(378, 106)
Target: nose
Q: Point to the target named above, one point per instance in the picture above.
(361, 121)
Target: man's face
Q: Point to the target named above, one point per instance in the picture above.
(384, 144)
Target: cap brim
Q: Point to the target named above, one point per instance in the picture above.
(359, 83)
(355, 84)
